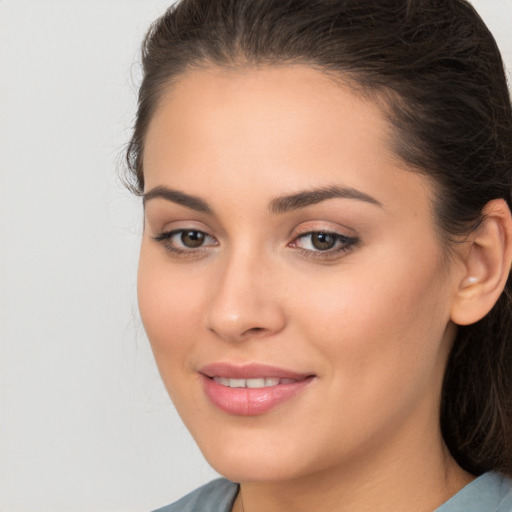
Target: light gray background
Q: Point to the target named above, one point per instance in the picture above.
(85, 424)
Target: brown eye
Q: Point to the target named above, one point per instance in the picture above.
(192, 239)
(183, 241)
(323, 241)
(324, 244)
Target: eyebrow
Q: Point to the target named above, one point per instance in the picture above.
(278, 205)
(305, 198)
(175, 196)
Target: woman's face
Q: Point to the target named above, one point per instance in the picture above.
(292, 282)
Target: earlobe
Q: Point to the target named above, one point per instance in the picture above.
(468, 281)
(486, 265)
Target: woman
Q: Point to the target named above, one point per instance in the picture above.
(327, 243)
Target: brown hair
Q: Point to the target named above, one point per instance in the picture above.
(439, 71)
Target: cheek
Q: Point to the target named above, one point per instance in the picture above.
(169, 308)
(382, 350)
(381, 323)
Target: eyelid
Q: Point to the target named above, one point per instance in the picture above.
(344, 243)
(322, 227)
(334, 234)
(165, 237)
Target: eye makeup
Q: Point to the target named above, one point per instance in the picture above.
(315, 244)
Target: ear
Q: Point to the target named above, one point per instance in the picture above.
(486, 261)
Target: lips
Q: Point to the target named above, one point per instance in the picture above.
(251, 389)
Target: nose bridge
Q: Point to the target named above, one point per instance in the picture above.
(243, 302)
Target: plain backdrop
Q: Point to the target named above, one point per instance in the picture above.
(85, 424)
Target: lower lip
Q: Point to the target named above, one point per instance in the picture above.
(251, 401)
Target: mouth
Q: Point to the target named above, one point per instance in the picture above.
(258, 383)
(252, 389)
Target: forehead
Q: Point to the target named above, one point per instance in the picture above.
(297, 99)
(269, 131)
(270, 111)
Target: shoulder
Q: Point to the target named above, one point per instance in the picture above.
(490, 492)
(216, 496)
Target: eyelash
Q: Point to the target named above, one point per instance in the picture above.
(165, 238)
(345, 243)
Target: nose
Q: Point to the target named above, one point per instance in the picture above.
(244, 303)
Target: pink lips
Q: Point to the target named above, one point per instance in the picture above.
(281, 385)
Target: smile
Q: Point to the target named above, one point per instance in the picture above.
(251, 390)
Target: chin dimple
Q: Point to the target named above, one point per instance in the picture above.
(262, 382)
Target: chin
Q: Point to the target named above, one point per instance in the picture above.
(240, 469)
(258, 461)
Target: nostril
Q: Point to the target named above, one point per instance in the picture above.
(255, 329)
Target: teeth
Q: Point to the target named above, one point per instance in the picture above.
(255, 383)
(261, 382)
(237, 383)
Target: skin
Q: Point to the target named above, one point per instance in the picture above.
(372, 323)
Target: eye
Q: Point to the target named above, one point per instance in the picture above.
(320, 241)
(323, 243)
(191, 239)
(185, 240)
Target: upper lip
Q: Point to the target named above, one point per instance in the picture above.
(250, 371)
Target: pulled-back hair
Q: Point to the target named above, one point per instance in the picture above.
(436, 71)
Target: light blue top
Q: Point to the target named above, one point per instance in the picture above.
(490, 492)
